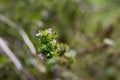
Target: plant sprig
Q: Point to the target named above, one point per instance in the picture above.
(49, 47)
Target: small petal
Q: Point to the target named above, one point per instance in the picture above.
(49, 31)
(41, 56)
(38, 34)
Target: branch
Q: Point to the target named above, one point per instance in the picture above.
(10, 54)
(21, 32)
(14, 59)
(92, 49)
(26, 39)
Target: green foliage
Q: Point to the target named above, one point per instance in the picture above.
(49, 46)
(78, 23)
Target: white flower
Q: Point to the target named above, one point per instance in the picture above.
(41, 56)
(38, 34)
(49, 31)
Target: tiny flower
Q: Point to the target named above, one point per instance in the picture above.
(38, 34)
(54, 41)
(49, 31)
(41, 56)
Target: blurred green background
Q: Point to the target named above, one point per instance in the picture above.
(84, 25)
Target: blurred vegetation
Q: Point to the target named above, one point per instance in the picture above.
(84, 25)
